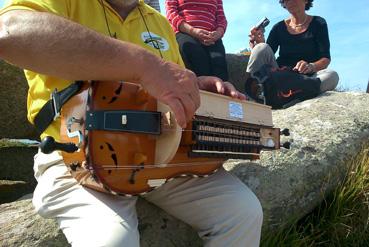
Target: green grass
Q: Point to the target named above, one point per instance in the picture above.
(341, 220)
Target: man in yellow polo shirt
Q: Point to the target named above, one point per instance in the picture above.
(61, 41)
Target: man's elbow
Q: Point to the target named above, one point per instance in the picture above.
(7, 20)
(4, 32)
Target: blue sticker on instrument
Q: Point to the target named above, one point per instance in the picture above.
(235, 110)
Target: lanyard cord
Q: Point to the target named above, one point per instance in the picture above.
(155, 42)
(106, 21)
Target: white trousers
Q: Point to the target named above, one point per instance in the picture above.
(223, 210)
(262, 54)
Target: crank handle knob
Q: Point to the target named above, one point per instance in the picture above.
(49, 145)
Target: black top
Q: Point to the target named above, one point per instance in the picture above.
(310, 46)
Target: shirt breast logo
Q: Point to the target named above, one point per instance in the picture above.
(155, 41)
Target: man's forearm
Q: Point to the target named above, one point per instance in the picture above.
(48, 44)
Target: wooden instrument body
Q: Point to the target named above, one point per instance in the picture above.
(122, 162)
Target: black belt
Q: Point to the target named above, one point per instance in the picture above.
(51, 109)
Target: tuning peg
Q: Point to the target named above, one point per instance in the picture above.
(286, 145)
(285, 132)
(49, 145)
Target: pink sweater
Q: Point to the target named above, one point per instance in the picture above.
(204, 14)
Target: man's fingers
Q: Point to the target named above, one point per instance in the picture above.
(232, 91)
(219, 85)
(189, 96)
(178, 111)
(195, 96)
(189, 106)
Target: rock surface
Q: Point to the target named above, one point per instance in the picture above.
(326, 133)
(237, 64)
(16, 176)
(21, 226)
(13, 101)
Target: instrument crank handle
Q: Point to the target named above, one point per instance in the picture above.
(49, 145)
(285, 132)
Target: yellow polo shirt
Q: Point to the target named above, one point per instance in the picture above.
(90, 13)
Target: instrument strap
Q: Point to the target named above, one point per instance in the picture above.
(51, 109)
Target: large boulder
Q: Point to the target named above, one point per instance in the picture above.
(16, 176)
(237, 64)
(13, 101)
(20, 226)
(326, 133)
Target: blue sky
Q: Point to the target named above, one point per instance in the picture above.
(348, 25)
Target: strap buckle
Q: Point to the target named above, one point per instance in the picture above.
(55, 98)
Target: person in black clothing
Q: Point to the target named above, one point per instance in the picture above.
(303, 43)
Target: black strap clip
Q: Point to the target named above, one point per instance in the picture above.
(51, 109)
(55, 99)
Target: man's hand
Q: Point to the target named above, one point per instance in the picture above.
(216, 85)
(175, 87)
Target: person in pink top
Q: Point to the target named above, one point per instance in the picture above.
(199, 26)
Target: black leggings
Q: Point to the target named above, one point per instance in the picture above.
(201, 59)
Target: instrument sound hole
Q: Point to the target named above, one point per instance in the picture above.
(119, 89)
(112, 100)
(113, 155)
(110, 147)
(116, 92)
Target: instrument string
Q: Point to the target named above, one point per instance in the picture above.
(152, 166)
(216, 133)
(253, 136)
